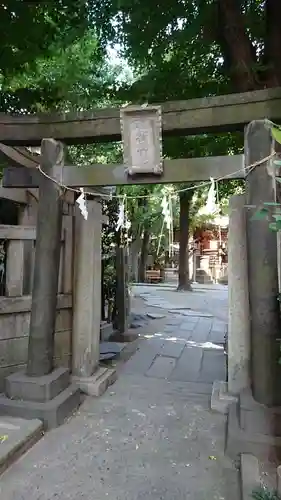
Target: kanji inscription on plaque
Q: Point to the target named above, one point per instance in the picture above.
(142, 139)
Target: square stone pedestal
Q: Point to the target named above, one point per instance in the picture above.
(221, 399)
(97, 384)
(203, 277)
(50, 398)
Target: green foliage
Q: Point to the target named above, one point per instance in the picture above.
(75, 77)
(60, 66)
(29, 30)
(72, 78)
(276, 134)
(51, 58)
(264, 493)
(205, 145)
(202, 47)
(271, 211)
(143, 203)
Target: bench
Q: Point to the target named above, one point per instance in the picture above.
(153, 276)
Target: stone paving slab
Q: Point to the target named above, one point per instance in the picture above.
(173, 321)
(190, 314)
(188, 326)
(161, 367)
(213, 366)
(144, 357)
(216, 337)
(179, 330)
(189, 365)
(202, 330)
(155, 315)
(219, 326)
(172, 349)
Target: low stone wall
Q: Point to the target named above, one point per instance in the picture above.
(14, 331)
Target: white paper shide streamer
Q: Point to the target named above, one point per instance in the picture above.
(211, 206)
(122, 221)
(121, 217)
(81, 202)
(166, 212)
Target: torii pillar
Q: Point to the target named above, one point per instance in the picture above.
(87, 374)
(262, 270)
(42, 391)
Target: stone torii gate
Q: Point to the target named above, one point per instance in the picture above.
(142, 164)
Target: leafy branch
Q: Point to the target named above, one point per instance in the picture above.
(264, 493)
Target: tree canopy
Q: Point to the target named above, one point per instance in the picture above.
(49, 55)
(32, 29)
(236, 43)
(72, 78)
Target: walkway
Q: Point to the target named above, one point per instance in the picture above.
(207, 298)
(151, 436)
(190, 345)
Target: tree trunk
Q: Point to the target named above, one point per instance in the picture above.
(134, 259)
(144, 255)
(240, 57)
(272, 43)
(238, 50)
(185, 202)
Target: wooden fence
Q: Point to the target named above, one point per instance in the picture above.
(16, 274)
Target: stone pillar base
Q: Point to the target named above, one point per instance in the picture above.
(20, 386)
(252, 428)
(221, 399)
(97, 384)
(202, 277)
(223, 280)
(49, 398)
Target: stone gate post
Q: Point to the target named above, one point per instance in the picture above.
(262, 270)
(238, 298)
(91, 378)
(27, 217)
